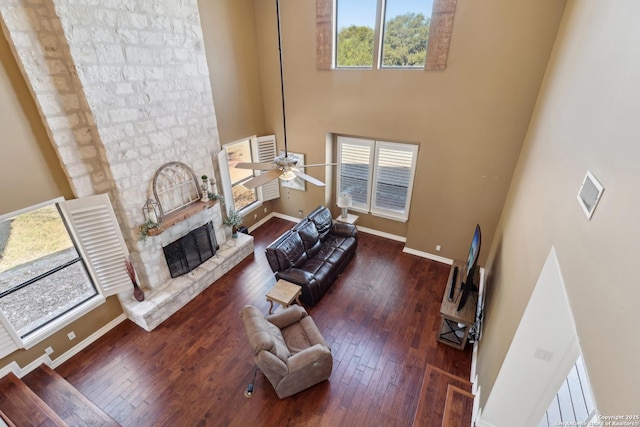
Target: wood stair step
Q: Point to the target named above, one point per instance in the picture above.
(23, 407)
(436, 382)
(72, 406)
(458, 408)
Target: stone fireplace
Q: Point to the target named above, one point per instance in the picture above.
(122, 88)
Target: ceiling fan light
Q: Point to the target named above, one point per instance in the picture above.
(287, 175)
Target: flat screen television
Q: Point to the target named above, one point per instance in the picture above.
(467, 285)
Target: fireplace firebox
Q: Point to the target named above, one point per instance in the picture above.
(188, 252)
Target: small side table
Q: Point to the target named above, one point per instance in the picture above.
(350, 219)
(284, 293)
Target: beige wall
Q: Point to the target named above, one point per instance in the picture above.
(586, 119)
(229, 30)
(229, 34)
(470, 120)
(30, 173)
(29, 168)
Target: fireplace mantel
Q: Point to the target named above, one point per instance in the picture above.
(180, 215)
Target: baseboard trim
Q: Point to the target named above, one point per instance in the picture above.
(17, 370)
(382, 234)
(367, 230)
(428, 255)
(262, 221)
(481, 423)
(286, 217)
(21, 372)
(475, 390)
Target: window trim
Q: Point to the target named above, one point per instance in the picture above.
(382, 10)
(366, 207)
(442, 16)
(397, 146)
(253, 151)
(263, 150)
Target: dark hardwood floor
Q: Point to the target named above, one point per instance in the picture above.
(380, 319)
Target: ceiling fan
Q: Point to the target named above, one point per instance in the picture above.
(285, 166)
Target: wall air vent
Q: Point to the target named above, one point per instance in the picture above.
(589, 194)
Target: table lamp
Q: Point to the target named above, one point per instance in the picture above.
(344, 202)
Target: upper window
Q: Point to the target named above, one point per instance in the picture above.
(42, 275)
(403, 33)
(240, 152)
(378, 175)
(355, 23)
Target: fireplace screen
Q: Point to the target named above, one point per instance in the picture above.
(190, 251)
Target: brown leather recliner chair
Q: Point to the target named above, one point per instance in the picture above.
(288, 348)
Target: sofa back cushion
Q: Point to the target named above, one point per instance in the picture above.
(272, 251)
(321, 217)
(309, 236)
(290, 252)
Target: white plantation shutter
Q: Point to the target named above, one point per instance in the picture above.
(94, 224)
(395, 168)
(223, 164)
(265, 151)
(355, 163)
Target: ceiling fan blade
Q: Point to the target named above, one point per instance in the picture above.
(308, 178)
(257, 166)
(317, 164)
(263, 178)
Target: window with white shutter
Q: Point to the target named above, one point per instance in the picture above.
(265, 147)
(355, 160)
(394, 170)
(59, 261)
(250, 150)
(379, 175)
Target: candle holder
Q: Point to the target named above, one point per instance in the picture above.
(151, 212)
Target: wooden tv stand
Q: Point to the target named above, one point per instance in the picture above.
(455, 326)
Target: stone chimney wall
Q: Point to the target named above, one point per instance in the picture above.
(123, 87)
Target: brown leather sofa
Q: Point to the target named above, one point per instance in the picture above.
(288, 348)
(313, 253)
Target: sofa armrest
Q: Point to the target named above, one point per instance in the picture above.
(313, 333)
(345, 230)
(306, 357)
(288, 316)
(271, 364)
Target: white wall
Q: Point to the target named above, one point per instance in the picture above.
(541, 355)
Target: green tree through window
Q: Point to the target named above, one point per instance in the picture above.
(404, 34)
(355, 47)
(405, 41)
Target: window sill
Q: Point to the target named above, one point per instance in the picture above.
(55, 325)
(389, 216)
(380, 214)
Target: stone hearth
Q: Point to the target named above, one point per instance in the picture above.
(171, 296)
(165, 295)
